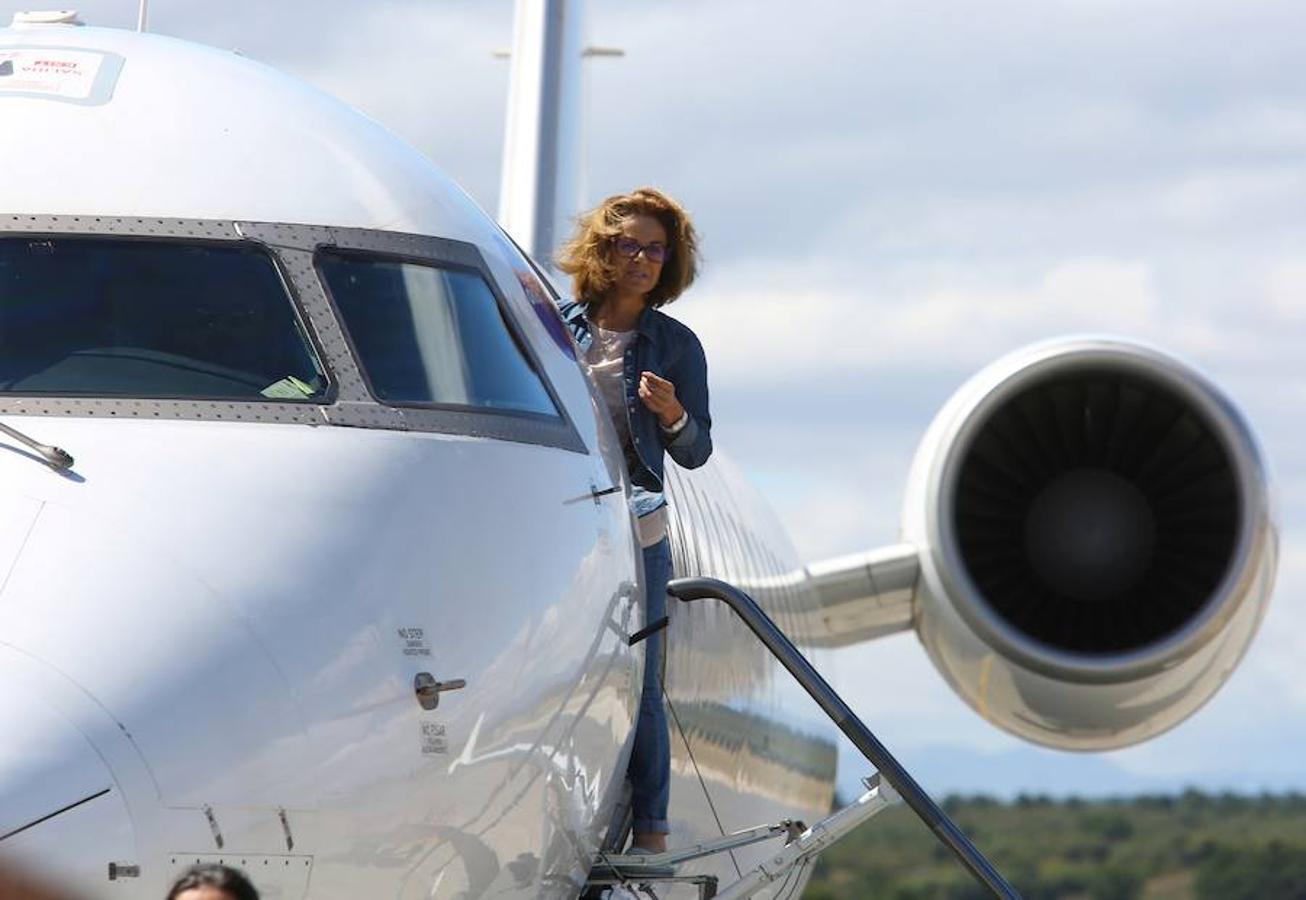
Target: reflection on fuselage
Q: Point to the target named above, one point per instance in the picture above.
(739, 741)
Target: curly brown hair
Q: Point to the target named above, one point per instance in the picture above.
(587, 257)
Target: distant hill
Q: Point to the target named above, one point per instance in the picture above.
(1150, 847)
(944, 770)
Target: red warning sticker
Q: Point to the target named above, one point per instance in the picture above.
(54, 73)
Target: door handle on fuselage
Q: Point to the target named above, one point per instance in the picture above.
(594, 494)
(428, 690)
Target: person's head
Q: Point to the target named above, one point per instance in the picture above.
(641, 242)
(212, 882)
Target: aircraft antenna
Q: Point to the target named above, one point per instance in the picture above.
(142, 18)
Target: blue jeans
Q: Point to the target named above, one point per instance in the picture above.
(650, 761)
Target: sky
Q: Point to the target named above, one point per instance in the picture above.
(892, 195)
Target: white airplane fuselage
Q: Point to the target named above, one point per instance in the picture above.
(211, 626)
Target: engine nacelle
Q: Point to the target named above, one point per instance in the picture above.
(1095, 541)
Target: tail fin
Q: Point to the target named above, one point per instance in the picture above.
(540, 189)
(542, 186)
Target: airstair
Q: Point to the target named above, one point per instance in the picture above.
(639, 876)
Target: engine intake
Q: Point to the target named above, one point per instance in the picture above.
(1096, 549)
(1096, 511)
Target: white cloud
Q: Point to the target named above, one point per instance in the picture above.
(1285, 285)
(1227, 200)
(818, 332)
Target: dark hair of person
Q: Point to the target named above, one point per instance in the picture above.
(587, 257)
(231, 881)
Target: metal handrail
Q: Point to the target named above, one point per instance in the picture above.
(828, 699)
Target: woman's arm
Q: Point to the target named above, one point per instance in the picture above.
(691, 446)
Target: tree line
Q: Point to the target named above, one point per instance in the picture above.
(1198, 845)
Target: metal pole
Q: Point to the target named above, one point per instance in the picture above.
(142, 19)
(829, 700)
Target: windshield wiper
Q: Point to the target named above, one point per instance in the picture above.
(55, 457)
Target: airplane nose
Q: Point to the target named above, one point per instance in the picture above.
(62, 818)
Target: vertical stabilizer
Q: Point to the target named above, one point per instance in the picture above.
(541, 187)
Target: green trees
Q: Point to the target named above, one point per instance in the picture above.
(1276, 870)
(1194, 845)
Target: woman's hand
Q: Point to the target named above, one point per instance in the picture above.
(659, 395)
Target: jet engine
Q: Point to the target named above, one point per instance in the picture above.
(1092, 526)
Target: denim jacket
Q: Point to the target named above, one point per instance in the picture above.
(668, 349)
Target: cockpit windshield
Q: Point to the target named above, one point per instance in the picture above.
(429, 335)
(114, 317)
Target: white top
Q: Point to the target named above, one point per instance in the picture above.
(605, 360)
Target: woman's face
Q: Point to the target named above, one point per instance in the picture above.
(642, 236)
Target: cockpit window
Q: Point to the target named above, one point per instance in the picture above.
(431, 336)
(95, 317)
